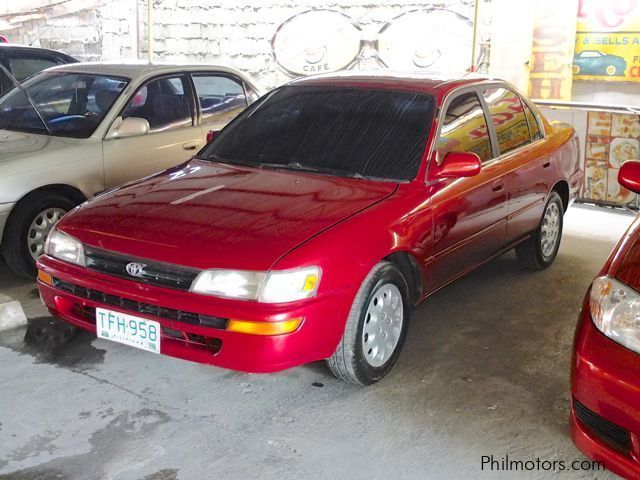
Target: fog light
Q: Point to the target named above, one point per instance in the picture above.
(263, 328)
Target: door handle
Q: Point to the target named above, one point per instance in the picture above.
(546, 163)
(190, 145)
(497, 185)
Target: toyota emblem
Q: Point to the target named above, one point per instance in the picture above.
(135, 269)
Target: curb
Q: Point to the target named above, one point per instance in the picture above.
(11, 313)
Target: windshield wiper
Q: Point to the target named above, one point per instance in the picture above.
(306, 168)
(19, 86)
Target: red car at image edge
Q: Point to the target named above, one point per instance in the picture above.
(313, 223)
(605, 380)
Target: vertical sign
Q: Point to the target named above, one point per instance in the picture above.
(554, 32)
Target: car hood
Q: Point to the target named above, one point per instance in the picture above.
(21, 146)
(210, 215)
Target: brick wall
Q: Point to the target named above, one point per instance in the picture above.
(237, 33)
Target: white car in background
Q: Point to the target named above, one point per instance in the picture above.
(97, 126)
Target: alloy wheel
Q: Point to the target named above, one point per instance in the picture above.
(550, 230)
(40, 228)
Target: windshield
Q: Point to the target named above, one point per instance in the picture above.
(71, 104)
(353, 132)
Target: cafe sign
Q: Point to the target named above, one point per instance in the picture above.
(317, 41)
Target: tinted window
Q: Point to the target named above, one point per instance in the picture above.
(339, 131)
(534, 128)
(464, 128)
(163, 102)
(71, 104)
(220, 97)
(25, 66)
(508, 118)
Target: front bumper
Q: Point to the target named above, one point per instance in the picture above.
(605, 407)
(316, 338)
(5, 210)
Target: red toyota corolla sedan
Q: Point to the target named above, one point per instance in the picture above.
(605, 383)
(313, 223)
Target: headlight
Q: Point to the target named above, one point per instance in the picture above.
(615, 310)
(290, 285)
(64, 247)
(273, 287)
(229, 283)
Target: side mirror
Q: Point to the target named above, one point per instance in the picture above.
(629, 175)
(458, 164)
(131, 127)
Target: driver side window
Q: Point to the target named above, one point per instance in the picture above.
(163, 102)
(464, 128)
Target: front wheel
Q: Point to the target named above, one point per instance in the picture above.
(376, 328)
(540, 250)
(29, 225)
(611, 70)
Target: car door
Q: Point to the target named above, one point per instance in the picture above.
(166, 102)
(469, 213)
(522, 156)
(220, 98)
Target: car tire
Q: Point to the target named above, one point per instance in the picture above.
(576, 69)
(611, 70)
(540, 249)
(379, 311)
(21, 236)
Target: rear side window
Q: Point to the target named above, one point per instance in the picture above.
(163, 102)
(534, 128)
(221, 98)
(464, 128)
(25, 66)
(507, 115)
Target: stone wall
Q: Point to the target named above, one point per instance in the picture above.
(237, 33)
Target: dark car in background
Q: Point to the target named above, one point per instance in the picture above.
(24, 61)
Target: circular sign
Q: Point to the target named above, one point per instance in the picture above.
(316, 41)
(434, 40)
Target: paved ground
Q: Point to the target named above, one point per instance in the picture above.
(484, 372)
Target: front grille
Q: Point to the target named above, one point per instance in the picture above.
(154, 273)
(141, 307)
(609, 432)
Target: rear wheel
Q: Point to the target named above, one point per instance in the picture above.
(28, 228)
(540, 250)
(376, 328)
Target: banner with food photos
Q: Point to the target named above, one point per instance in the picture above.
(612, 139)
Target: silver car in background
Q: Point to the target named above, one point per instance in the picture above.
(97, 126)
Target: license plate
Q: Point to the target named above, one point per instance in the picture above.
(127, 329)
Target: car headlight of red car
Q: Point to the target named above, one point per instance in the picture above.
(279, 286)
(64, 247)
(615, 310)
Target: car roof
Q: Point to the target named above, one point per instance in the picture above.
(15, 46)
(135, 70)
(438, 84)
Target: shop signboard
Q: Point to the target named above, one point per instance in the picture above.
(554, 30)
(611, 140)
(608, 41)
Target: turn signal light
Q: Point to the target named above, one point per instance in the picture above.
(263, 328)
(45, 277)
